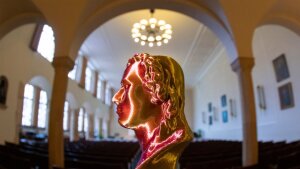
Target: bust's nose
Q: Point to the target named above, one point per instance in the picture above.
(118, 97)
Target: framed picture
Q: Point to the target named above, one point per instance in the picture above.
(203, 117)
(286, 96)
(215, 113)
(225, 116)
(281, 68)
(223, 101)
(232, 108)
(3, 91)
(209, 107)
(210, 120)
(261, 97)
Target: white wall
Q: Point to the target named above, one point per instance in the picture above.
(218, 80)
(273, 123)
(269, 42)
(189, 107)
(19, 64)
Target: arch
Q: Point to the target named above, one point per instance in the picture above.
(43, 83)
(88, 108)
(17, 13)
(114, 8)
(3, 89)
(72, 101)
(284, 20)
(285, 13)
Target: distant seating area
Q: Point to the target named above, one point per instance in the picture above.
(228, 155)
(78, 155)
(124, 155)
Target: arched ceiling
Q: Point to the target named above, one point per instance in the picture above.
(109, 47)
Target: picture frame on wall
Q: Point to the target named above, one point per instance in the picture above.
(223, 101)
(215, 113)
(203, 117)
(225, 116)
(209, 107)
(232, 108)
(210, 120)
(281, 68)
(286, 96)
(261, 97)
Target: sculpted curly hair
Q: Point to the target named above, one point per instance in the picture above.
(163, 78)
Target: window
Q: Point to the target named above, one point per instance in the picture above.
(80, 119)
(108, 96)
(42, 112)
(88, 78)
(66, 116)
(28, 101)
(72, 74)
(99, 85)
(46, 43)
(86, 121)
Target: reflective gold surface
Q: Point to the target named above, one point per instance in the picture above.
(151, 102)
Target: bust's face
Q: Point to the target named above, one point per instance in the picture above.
(133, 101)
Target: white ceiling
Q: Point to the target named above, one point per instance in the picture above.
(110, 46)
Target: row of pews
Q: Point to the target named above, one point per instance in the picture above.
(228, 155)
(124, 155)
(78, 155)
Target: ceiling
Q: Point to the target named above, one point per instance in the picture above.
(110, 46)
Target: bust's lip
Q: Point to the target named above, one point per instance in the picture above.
(119, 111)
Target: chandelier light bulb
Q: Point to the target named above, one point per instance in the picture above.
(152, 25)
(168, 31)
(152, 20)
(161, 22)
(137, 25)
(152, 32)
(158, 38)
(151, 39)
(144, 22)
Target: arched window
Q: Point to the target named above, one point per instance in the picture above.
(99, 84)
(42, 113)
(72, 73)
(86, 122)
(66, 116)
(88, 78)
(28, 101)
(43, 41)
(3, 89)
(80, 119)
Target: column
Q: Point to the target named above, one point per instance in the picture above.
(62, 66)
(74, 135)
(103, 88)
(82, 74)
(96, 74)
(19, 111)
(37, 92)
(90, 132)
(243, 66)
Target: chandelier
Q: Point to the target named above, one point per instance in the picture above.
(151, 32)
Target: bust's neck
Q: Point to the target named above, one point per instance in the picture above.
(156, 152)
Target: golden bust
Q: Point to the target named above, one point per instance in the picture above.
(151, 102)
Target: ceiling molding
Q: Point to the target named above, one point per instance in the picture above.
(196, 41)
(213, 57)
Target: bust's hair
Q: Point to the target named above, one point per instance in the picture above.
(163, 77)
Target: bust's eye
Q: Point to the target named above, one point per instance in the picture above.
(126, 86)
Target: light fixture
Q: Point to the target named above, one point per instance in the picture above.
(151, 32)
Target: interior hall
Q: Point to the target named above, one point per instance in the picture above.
(61, 62)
